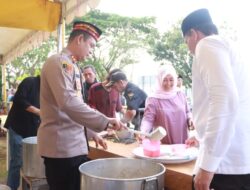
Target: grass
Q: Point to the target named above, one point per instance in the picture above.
(3, 171)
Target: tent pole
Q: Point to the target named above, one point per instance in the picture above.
(61, 36)
(4, 93)
(61, 29)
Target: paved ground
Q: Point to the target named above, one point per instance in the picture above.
(3, 172)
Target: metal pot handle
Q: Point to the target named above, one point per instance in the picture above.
(147, 184)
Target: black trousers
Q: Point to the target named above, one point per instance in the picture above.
(63, 173)
(230, 182)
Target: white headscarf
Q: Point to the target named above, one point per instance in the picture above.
(163, 71)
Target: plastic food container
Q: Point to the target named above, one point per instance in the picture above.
(151, 148)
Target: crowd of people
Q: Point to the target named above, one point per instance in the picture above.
(66, 106)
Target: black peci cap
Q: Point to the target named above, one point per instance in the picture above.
(194, 19)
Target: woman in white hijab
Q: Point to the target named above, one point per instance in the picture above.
(168, 108)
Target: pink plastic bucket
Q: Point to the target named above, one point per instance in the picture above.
(151, 148)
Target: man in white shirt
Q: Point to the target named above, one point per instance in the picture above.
(221, 107)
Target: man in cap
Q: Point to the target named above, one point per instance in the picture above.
(221, 106)
(135, 98)
(106, 100)
(62, 135)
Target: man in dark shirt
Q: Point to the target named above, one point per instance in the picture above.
(89, 74)
(135, 98)
(22, 121)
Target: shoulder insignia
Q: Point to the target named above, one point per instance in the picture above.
(67, 66)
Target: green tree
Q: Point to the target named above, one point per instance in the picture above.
(29, 64)
(121, 37)
(171, 47)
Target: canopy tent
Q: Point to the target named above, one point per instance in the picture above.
(25, 24)
(36, 15)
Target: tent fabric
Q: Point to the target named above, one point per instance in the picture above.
(31, 40)
(34, 15)
(78, 8)
(24, 30)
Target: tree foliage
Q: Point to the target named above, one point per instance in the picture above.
(171, 47)
(28, 64)
(121, 37)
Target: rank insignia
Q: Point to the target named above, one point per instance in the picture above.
(67, 66)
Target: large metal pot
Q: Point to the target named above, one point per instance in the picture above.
(4, 187)
(122, 174)
(33, 165)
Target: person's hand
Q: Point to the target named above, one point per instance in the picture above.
(100, 141)
(203, 180)
(116, 124)
(140, 138)
(192, 142)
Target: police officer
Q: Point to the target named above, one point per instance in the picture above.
(62, 135)
(135, 98)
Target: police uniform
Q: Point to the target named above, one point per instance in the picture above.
(64, 116)
(135, 99)
(63, 111)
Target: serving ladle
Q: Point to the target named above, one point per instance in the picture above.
(156, 135)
